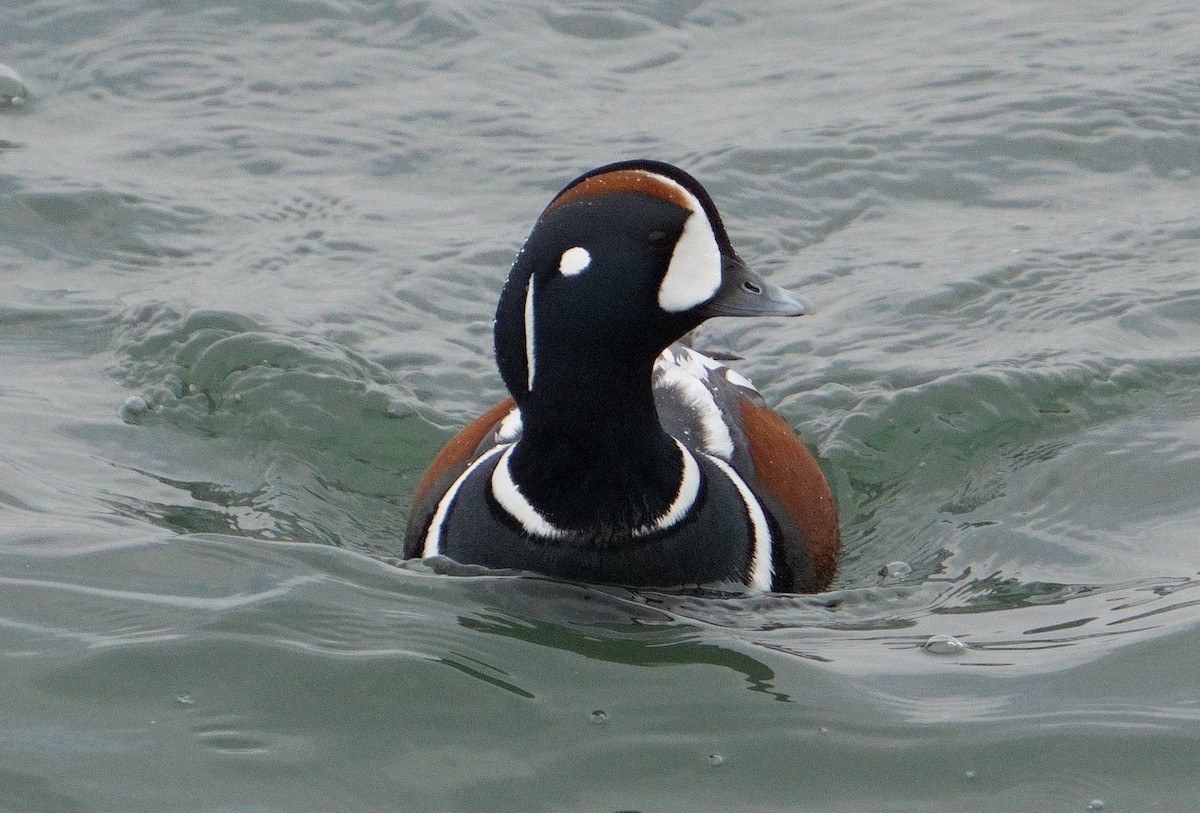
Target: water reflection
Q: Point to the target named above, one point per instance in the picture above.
(1000, 622)
(603, 624)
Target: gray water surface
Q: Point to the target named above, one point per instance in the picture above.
(249, 255)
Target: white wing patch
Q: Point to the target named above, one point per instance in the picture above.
(738, 380)
(687, 372)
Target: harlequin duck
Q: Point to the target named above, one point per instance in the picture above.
(623, 456)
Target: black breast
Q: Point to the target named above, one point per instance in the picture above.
(712, 544)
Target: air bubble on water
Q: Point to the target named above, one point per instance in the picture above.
(174, 384)
(895, 571)
(12, 87)
(823, 730)
(599, 717)
(134, 408)
(944, 645)
(969, 775)
(184, 698)
(715, 759)
(1095, 804)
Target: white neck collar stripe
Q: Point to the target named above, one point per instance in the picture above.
(508, 495)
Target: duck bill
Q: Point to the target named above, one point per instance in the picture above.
(744, 293)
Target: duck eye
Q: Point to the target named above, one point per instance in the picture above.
(655, 237)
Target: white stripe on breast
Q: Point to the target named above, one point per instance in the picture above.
(510, 427)
(506, 492)
(762, 570)
(433, 537)
(685, 499)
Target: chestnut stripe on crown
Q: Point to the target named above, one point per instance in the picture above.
(625, 180)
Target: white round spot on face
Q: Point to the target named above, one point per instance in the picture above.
(574, 261)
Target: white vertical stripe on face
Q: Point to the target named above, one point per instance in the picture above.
(529, 331)
(694, 273)
(433, 537)
(762, 570)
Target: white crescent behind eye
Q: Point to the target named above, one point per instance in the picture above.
(694, 273)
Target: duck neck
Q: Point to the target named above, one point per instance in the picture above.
(593, 458)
